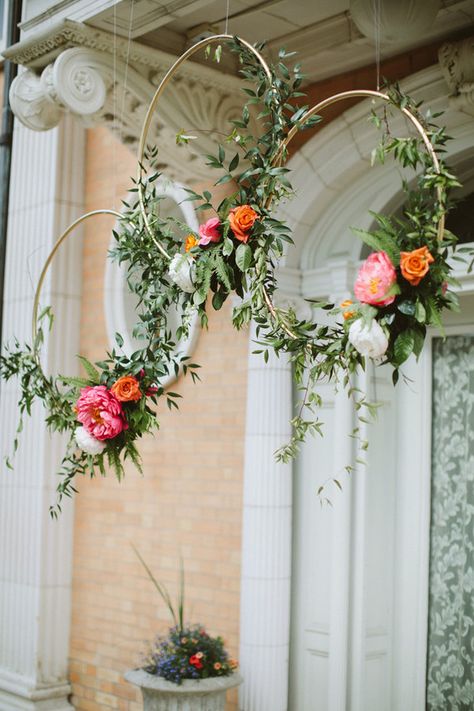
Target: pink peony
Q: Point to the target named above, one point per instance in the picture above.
(375, 278)
(100, 412)
(209, 231)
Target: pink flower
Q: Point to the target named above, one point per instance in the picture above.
(375, 278)
(100, 412)
(209, 231)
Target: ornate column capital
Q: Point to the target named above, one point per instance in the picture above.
(102, 80)
(457, 63)
(73, 82)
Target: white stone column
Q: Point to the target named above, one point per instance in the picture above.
(342, 277)
(35, 551)
(266, 544)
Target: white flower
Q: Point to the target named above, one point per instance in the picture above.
(181, 271)
(87, 442)
(370, 340)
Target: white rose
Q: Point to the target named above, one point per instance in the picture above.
(87, 442)
(181, 271)
(370, 340)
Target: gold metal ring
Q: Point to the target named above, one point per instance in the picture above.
(215, 39)
(58, 243)
(355, 93)
(368, 93)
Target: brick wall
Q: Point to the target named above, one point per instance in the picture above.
(187, 503)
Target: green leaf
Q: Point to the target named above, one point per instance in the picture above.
(419, 335)
(404, 345)
(379, 243)
(234, 163)
(420, 312)
(243, 257)
(432, 314)
(218, 299)
(91, 371)
(76, 382)
(407, 307)
(228, 247)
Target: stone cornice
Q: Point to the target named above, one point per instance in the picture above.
(457, 63)
(39, 51)
(104, 79)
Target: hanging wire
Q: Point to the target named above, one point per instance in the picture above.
(227, 18)
(127, 61)
(114, 108)
(377, 24)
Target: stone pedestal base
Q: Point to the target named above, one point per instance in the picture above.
(15, 696)
(202, 695)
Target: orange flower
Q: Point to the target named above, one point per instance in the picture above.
(126, 389)
(190, 242)
(415, 265)
(233, 663)
(217, 666)
(344, 305)
(241, 220)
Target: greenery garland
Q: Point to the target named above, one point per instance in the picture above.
(401, 288)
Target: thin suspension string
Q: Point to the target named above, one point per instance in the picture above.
(227, 18)
(127, 62)
(377, 23)
(114, 109)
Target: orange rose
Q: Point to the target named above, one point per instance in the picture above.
(415, 265)
(126, 389)
(190, 242)
(241, 220)
(344, 305)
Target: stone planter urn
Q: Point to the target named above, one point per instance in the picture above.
(191, 695)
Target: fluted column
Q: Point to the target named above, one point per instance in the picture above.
(266, 545)
(342, 277)
(35, 551)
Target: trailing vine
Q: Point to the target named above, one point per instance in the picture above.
(401, 288)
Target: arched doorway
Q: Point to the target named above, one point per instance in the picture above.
(360, 575)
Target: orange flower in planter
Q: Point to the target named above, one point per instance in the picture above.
(416, 264)
(241, 221)
(126, 389)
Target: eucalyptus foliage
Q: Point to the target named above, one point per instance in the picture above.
(253, 164)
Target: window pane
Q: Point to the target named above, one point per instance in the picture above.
(450, 673)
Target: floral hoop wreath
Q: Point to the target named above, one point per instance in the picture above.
(400, 289)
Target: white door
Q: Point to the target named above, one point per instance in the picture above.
(342, 584)
(361, 566)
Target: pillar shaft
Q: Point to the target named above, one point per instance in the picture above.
(35, 551)
(266, 546)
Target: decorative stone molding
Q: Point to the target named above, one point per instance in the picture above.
(457, 63)
(104, 80)
(397, 20)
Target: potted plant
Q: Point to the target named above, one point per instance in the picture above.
(187, 669)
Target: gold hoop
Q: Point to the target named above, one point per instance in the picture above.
(58, 243)
(368, 93)
(215, 39)
(356, 93)
(342, 96)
